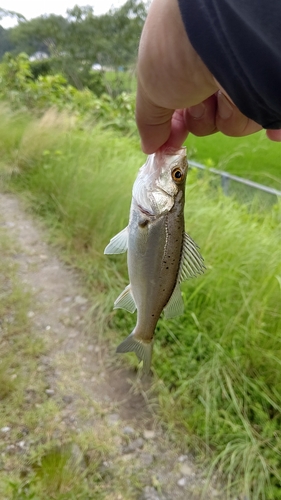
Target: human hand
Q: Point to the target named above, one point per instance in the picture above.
(176, 92)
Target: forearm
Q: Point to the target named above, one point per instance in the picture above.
(190, 62)
(166, 55)
(170, 75)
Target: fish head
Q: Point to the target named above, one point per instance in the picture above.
(160, 180)
(173, 170)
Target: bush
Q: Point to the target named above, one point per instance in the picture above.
(23, 92)
(41, 67)
(218, 368)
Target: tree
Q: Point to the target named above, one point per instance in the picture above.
(6, 45)
(82, 39)
(121, 29)
(44, 33)
(10, 13)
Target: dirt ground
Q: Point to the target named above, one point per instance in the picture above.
(82, 371)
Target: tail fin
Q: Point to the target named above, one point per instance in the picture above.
(143, 350)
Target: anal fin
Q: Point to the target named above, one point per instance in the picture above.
(126, 300)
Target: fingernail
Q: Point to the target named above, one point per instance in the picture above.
(225, 108)
(197, 111)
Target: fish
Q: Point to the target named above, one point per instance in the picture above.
(160, 254)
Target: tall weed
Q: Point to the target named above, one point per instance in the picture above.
(252, 157)
(222, 360)
(218, 368)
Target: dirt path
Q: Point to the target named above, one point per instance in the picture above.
(80, 370)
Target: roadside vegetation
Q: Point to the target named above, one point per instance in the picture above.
(253, 157)
(42, 456)
(74, 155)
(217, 370)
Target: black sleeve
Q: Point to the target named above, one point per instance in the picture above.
(240, 43)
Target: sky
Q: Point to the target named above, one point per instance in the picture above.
(33, 8)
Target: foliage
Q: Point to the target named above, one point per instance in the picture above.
(18, 86)
(77, 42)
(15, 74)
(220, 360)
(253, 157)
(219, 367)
(11, 13)
(40, 67)
(5, 43)
(121, 28)
(43, 33)
(117, 82)
(43, 456)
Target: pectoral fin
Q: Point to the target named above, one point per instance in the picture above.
(175, 306)
(126, 300)
(192, 262)
(118, 244)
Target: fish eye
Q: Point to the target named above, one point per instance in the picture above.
(177, 175)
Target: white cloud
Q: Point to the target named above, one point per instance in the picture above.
(30, 8)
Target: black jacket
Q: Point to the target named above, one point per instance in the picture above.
(240, 43)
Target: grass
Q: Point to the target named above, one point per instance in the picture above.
(253, 157)
(41, 457)
(120, 81)
(217, 370)
(224, 368)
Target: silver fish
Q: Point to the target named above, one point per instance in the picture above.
(160, 254)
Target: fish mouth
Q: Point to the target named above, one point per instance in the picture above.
(144, 211)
